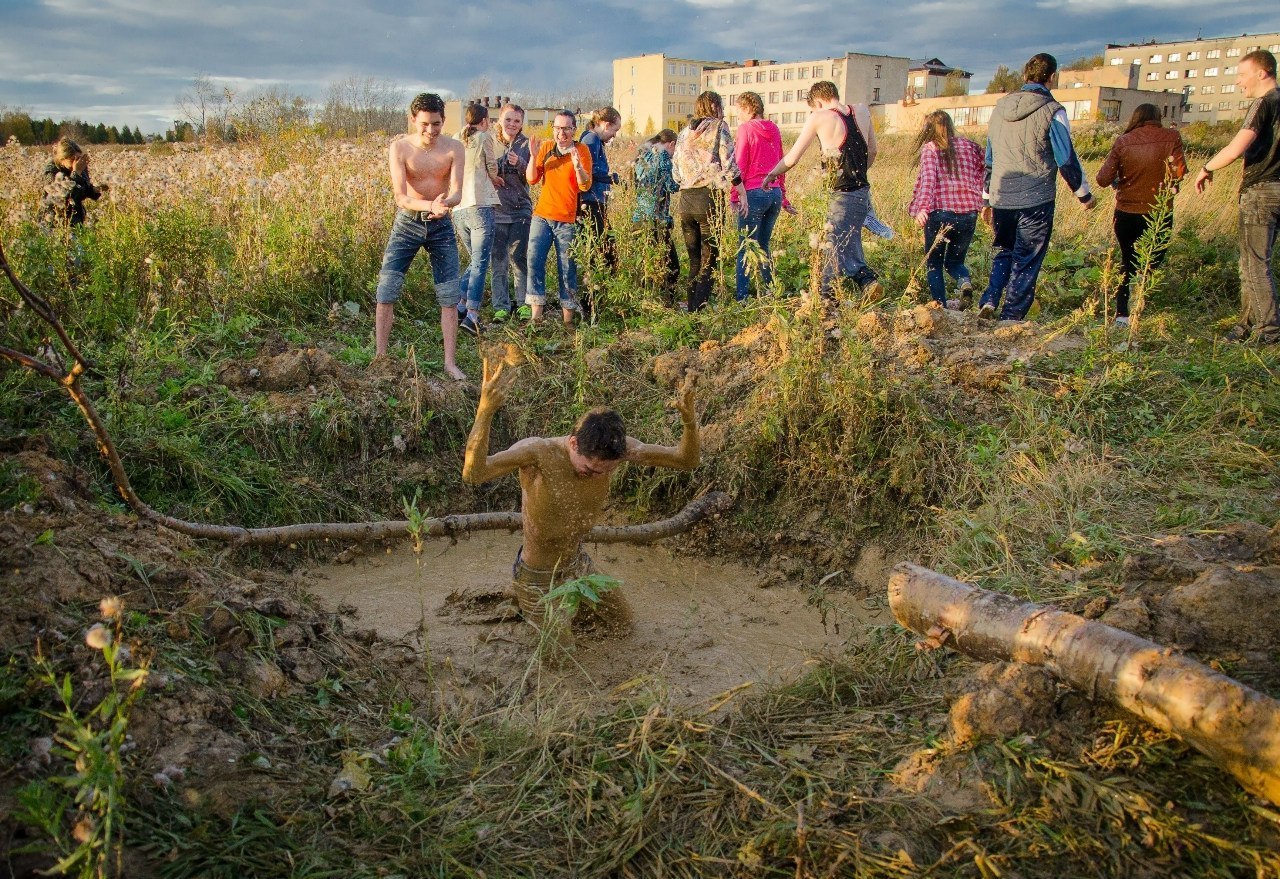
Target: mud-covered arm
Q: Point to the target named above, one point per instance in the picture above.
(685, 455)
(478, 465)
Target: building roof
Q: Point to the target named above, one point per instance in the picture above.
(933, 65)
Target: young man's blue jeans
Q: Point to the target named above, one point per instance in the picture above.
(408, 235)
(1021, 242)
(510, 253)
(543, 234)
(846, 214)
(763, 208)
(950, 253)
(475, 228)
(1259, 218)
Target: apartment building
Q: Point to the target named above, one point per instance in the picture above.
(537, 120)
(1083, 103)
(929, 79)
(1203, 71)
(784, 87)
(657, 91)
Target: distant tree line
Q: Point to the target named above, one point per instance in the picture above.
(36, 132)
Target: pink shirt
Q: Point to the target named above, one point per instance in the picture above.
(758, 148)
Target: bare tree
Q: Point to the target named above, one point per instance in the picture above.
(356, 105)
(207, 107)
(269, 110)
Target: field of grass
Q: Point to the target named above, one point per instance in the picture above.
(202, 258)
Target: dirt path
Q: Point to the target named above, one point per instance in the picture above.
(700, 627)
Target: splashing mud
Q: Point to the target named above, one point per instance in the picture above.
(700, 628)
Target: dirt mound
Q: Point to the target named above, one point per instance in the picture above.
(241, 639)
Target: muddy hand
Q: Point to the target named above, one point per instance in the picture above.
(685, 402)
(496, 381)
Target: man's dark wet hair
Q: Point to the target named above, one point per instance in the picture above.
(1040, 68)
(601, 435)
(427, 101)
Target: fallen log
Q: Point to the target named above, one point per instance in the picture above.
(1237, 727)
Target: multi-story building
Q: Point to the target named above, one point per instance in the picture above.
(657, 91)
(929, 79)
(1203, 71)
(784, 87)
(537, 120)
(1083, 102)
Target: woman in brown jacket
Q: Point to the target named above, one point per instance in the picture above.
(1144, 159)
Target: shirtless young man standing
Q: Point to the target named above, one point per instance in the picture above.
(848, 145)
(564, 483)
(426, 180)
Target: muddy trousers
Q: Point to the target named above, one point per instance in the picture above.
(531, 586)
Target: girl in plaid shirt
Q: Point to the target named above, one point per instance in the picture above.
(946, 202)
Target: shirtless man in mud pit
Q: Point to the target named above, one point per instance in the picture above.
(564, 484)
(426, 180)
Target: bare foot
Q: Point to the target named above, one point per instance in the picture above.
(454, 373)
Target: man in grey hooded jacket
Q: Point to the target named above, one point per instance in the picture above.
(1028, 146)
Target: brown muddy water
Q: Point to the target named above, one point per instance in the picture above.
(701, 627)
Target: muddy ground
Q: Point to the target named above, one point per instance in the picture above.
(443, 627)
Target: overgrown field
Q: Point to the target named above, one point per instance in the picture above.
(226, 295)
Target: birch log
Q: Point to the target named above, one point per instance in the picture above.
(1237, 727)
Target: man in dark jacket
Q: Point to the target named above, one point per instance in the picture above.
(1258, 141)
(1028, 145)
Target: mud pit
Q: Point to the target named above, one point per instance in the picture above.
(700, 628)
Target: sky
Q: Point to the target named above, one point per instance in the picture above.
(123, 62)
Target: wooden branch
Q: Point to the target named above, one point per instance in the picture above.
(42, 308)
(1237, 727)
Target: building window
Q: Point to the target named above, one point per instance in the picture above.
(1152, 75)
(803, 74)
(1222, 105)
(1211, 71)
(1243, 104)
(1173, 74)
(786, 118)
(1233, 53)
(633, 70)
(721, 79)
(671, 88)
(671, 70)
(1213, 53)
(1228, 89)
(1155, 59)
(1228, 71)
(773, 97)
(817, 72)
(773, 117)
(1191, 74)
(789, 73)
(760, 76)
(1252, 49)
(671, 107)
(1204, 108)
(1208, 90)
(773, 76)
(1273, 48)
(1116, 62)
(875, 95)
(1193, 56)
(788, 97)
(878, 68)
(1175, 56)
